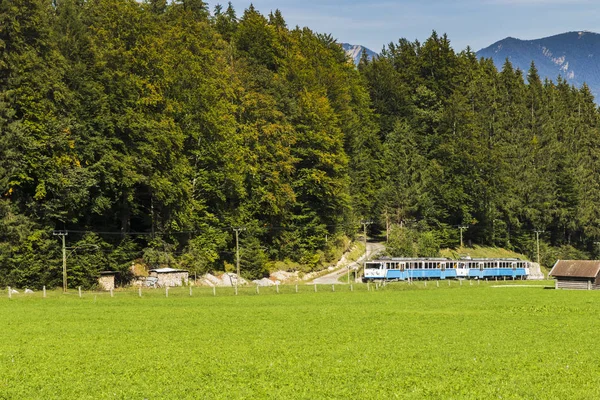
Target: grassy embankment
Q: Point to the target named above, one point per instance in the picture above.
(401, 341)
(481, 252)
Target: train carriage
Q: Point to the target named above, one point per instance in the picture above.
(401, 269)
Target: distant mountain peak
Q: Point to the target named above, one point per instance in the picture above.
(354, 51)
(570, 55)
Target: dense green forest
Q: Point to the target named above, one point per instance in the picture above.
(148, 130)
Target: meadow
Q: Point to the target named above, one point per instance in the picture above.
(401, 341)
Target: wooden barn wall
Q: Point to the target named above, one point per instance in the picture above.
(576, 285)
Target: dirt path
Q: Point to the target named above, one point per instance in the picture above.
(341, 267)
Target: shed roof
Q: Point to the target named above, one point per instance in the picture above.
(576, 268)
(166, 270)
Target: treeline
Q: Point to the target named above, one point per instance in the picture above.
(149, 130)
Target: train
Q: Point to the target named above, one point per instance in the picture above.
(405, 269)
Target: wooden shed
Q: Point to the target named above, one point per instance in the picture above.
(576, 274)
(170, 276)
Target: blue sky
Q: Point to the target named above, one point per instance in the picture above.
(467, 22)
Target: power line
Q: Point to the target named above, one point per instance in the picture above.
(135, 233)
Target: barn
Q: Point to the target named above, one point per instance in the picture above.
(576, 274)
(170, 277)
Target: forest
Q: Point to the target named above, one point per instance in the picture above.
(150, 130)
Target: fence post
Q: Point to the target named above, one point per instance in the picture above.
(460, 282)
(257, 290)
(296, 288)
(368, 287)
(79, 288)
(166, 291)
(277, 287)
(190, 291)
(351, 288)
(332, 287)
(214, 290)
(140, 291)
(478, 281)
(44, 291)
(236, 290)
(437, 283)
(315, 288)
(448, 283)
(111, 293)
(425, 283)
(9, 292)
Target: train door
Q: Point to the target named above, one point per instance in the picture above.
(402, 274)
(462, 271)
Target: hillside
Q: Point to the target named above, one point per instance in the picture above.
(189, 140)
(481, 252)
(571, 55)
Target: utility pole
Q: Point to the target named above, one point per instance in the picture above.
(462, 228)
(387, 226)
(365, 223)
(63, 235)
(537, 239)
(237, 253)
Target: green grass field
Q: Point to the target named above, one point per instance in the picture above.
(407, 342)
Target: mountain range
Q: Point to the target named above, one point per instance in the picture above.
(354, 51)
(575, 56)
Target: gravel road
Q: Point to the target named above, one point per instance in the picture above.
(333, 277)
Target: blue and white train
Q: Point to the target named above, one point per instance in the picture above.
(402, 269)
